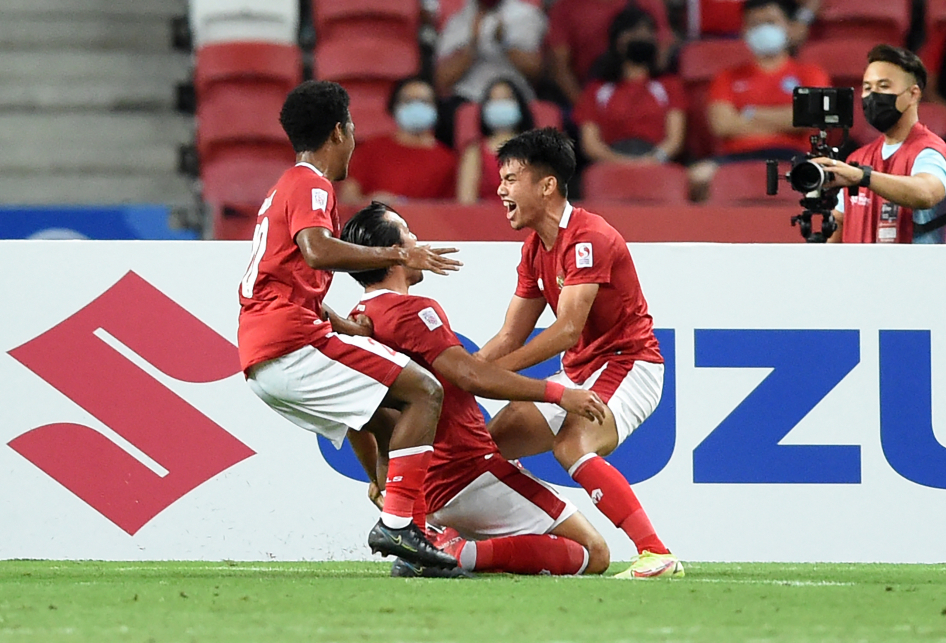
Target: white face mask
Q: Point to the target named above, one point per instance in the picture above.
(501, 114)
(767, 39)
(416, 116)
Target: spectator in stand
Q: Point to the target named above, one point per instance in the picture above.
(574, 40)
(485, 41)
(631, 116)
(504, 113)
(409, 164)
(723, 18)
(750, 106)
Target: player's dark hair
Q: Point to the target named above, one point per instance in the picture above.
(311, 112)
(398, 86)
(902, 58)
(546, 151)
(369, 228)
(788, 7)
(527, 122)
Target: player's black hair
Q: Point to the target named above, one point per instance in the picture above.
(398, 86)
(369, 228)
(788, 7)
(311, 112)
(546, 151)
(527, 122)
(902, 58)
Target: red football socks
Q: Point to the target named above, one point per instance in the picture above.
(613, 497)
(530, 554)
(407, 469)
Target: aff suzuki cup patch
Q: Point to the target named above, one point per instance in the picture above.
(319, 199)
(430, 318)
(583, 256)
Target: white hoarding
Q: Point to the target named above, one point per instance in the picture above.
(799, 421)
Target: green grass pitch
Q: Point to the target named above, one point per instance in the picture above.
(168, 602)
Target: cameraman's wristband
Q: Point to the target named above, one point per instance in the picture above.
(865, 180)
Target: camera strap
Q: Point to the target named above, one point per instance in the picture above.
(935, 224)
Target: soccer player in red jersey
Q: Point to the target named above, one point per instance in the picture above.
(506, 520)
(321, 380)
(579, 265)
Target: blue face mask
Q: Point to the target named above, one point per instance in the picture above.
(416, 116)
(767, 39)
(501, 114)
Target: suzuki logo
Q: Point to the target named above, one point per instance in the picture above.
(77, 358)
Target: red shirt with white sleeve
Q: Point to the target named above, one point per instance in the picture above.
(588, 250)
(463, 448)
(280, 295)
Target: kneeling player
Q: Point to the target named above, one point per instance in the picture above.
(507, 520)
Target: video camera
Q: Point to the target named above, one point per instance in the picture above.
(824, 109)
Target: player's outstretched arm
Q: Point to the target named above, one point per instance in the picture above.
(521, 318)
(322, 251)
(574, 304)
(488, 380)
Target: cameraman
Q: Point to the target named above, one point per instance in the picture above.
(902, 174)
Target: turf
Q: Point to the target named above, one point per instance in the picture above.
(261, 602)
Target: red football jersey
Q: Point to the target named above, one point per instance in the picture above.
(280, 295)
(588, 250)
(418, 327)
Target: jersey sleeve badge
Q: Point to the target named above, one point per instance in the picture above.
(319, 199)
(583, 255)
(430, 318)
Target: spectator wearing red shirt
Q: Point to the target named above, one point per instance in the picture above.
(575, 41)
(631, 116)
(750, 106)
(504, 113)
(409, 164)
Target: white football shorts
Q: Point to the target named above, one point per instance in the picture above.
(505, 500)
(331, 386)
(632, 394)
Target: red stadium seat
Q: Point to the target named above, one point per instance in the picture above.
(700, 62)
(466, 127)
(247, 62)
(935, 19)
(876, 20)
(743, 183)
(334, 19)
(843, 59)
(933, 115)
(362, 57)
(237, 180)
(369, 108)
(641, 184)
(239, 113)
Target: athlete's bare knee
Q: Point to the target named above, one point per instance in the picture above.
(599, 555)
(569, 449)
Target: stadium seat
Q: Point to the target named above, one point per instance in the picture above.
(369, 108)
(363, 57)
(876, 20)
(700, 62)
(466, 128)
(247, 62)
(843, 59)
(214, 21)
(449, 7)
(640, 184)
(935, 19)
(236, 182)
(933, 115)
(743, 183)
(398, 18)
(239, 113)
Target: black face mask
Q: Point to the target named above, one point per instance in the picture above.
(881, 111)
(641, 52)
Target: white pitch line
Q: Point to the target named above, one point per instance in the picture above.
(749, 581)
